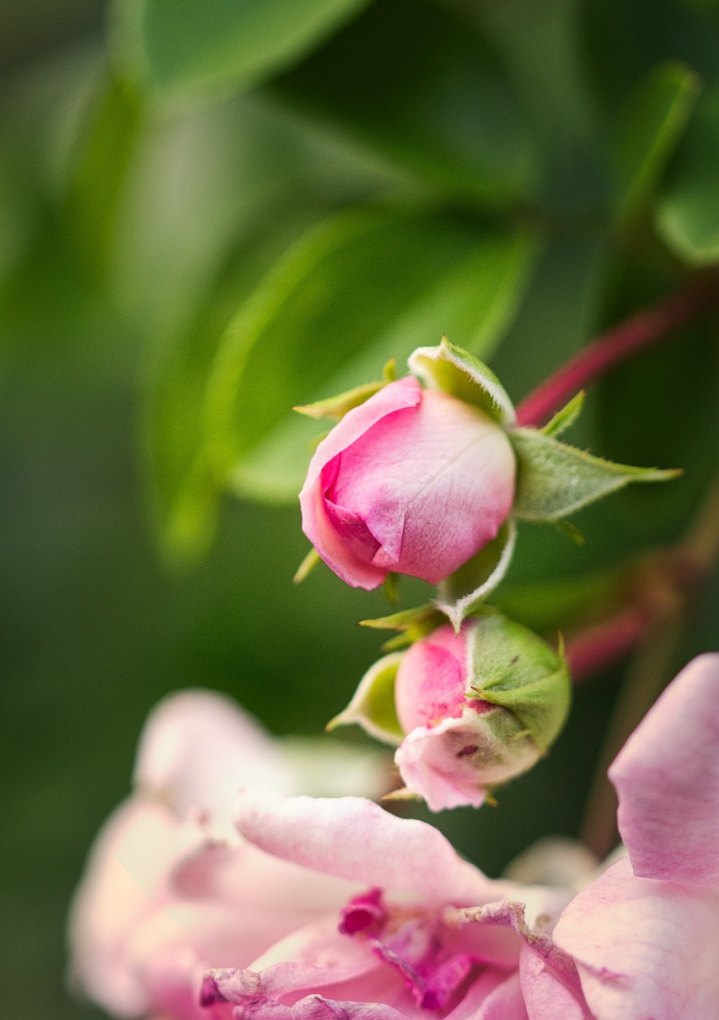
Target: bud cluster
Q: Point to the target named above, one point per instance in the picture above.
(427, 476)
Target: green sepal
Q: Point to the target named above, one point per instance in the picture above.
(466, 589)
(372, 706)
(308, 564)
(412, 625)
(565, 417)
(513, 668)
(337, 407)
(456, 371)
(554, 480)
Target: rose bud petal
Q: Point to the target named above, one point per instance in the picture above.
(477, 708)
(412, 481)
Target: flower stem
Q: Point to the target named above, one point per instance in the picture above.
(655, 626)
(641, 330)
(662, 591)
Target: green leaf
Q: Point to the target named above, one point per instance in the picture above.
(517, 670)
(372, 706)
(382, 281)
(182, 47)
(464, 591)
(424, 89)
(649, 128)
(565, 417)
(455, 371)
(687, 215)
(100, 177)
(554, 480)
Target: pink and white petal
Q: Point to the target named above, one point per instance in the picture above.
(325, 767)
(250, 879)
(432, 764)
(547, 992)
(644, 949)
(198, 749)
(120, 889)
(317, 1007)
(355, 839)
(667, 778)
(494, 995)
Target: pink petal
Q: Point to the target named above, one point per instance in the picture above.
(404, 393)
(119, 891)
(492, 996)
(645, 950)
(431, 679)
(432, 486)
(198, 748)
(432, 763)
(456, 761)
(667, 778)
(547, 991)
(357, 840)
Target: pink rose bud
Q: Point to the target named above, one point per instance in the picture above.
(412, 481)
(477, 708)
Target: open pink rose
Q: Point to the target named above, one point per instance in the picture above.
(353, 914)
(429, 935)
(170, 889)
(412, 481)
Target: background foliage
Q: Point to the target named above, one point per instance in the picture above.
(211, 212)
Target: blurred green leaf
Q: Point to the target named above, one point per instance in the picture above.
(427, 91)
(623, 42)
(185, 47)
(99, 180)
(217, 198)
(650, 125)
(688, 211)
(363, 287)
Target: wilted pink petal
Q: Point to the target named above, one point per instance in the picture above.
(645, 950)
(436, 763)
(440, 763)
(667, 778)
(549, 991)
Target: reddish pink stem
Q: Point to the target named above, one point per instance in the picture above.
(641, 330)
(605, 643)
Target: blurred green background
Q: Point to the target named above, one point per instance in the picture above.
(211, 212)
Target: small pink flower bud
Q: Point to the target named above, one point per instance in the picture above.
(477, 708)
(412, 481)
